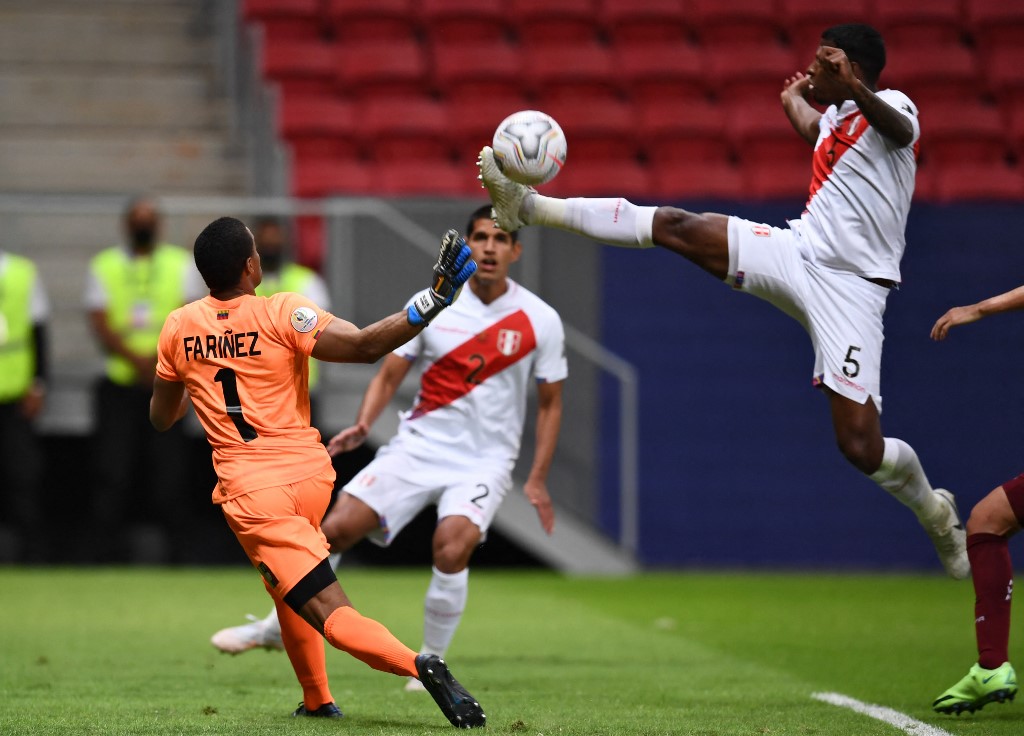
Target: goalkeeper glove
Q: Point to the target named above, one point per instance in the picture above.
(453, 268)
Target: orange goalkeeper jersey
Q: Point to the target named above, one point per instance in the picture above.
(245, 365)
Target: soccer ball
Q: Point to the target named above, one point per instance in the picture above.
(529, 147)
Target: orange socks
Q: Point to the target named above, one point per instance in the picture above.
(368, 641)
(305, 649)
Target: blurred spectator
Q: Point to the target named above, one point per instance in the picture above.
(139, 474)
(24, 310)
(281, 273)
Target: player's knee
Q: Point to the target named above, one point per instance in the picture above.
(861, 451)
(452, 556)
(990, 517)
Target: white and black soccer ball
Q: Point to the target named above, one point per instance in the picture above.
(529, 147)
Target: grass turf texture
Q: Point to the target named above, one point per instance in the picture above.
(126, 651)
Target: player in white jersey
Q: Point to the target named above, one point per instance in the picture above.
(831, 270)
(457, 445)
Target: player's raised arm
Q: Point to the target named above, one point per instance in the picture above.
(1006, 302)
(835, 68)
(803, 117)
(343, 342)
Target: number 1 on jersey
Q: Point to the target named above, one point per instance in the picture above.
(229, 385)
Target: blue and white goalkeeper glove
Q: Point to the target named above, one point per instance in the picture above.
(453, 268)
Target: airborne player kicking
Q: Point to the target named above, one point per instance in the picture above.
(832, 269)
(457, 445)
(243, 361)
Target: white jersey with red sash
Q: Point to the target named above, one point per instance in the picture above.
(477, 361)
(860, 192)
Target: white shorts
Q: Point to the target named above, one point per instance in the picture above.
(841, 311)
(386, 485)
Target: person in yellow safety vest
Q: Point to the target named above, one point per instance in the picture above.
(281, 273)
(24, 310)
(139, 473)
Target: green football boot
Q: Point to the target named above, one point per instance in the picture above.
(977, 689)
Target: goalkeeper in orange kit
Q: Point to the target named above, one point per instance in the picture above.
(243, 362)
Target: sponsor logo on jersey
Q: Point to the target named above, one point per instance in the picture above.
(509, 341)
(303, 319)
(222, 314)
(761, 231)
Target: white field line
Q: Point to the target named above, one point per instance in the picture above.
(893, 717)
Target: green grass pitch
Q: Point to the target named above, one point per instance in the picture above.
(126, 651)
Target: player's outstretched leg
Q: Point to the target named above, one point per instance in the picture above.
(610, 220)
(977, 689)
(461, 708)
(259, 632)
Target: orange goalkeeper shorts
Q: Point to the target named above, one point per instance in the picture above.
(279, 528)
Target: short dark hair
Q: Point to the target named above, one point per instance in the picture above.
(483, 212)
(862, 44)
(221, 251)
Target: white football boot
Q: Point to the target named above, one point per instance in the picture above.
(506, 195)
(259, 632)
(949, 537)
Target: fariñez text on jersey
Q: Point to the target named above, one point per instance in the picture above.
(228, 345)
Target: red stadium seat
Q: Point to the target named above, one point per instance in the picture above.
(963, 131)
(646, 21)
(1004, 72)
(390, 68)
(468, 72)
(406, 129)
(300, 67)
(297, 20)
(684, 133)
(544, 22)
(660, 71)
(1013, 113)
(709, 179)
(996, 23)
(971, 181)
(779, 180)
(319, 126)
(752, 73)
(464, 21)
(473, 120)
(427, 178)
(927, 73)
(763, 136)
(936, 22)
(735, 22)
(372, 20)
(323, 177)
(805, 20)
(562, 72)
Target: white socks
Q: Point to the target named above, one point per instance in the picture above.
(272, 622)
(614, 221)
(903, 477)
(442, 609)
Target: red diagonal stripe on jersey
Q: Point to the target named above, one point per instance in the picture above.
(454, 375)
(849, 130)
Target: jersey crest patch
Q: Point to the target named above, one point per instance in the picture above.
(303, 319)
(509, 341)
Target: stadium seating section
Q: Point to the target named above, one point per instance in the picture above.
(660, 99)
